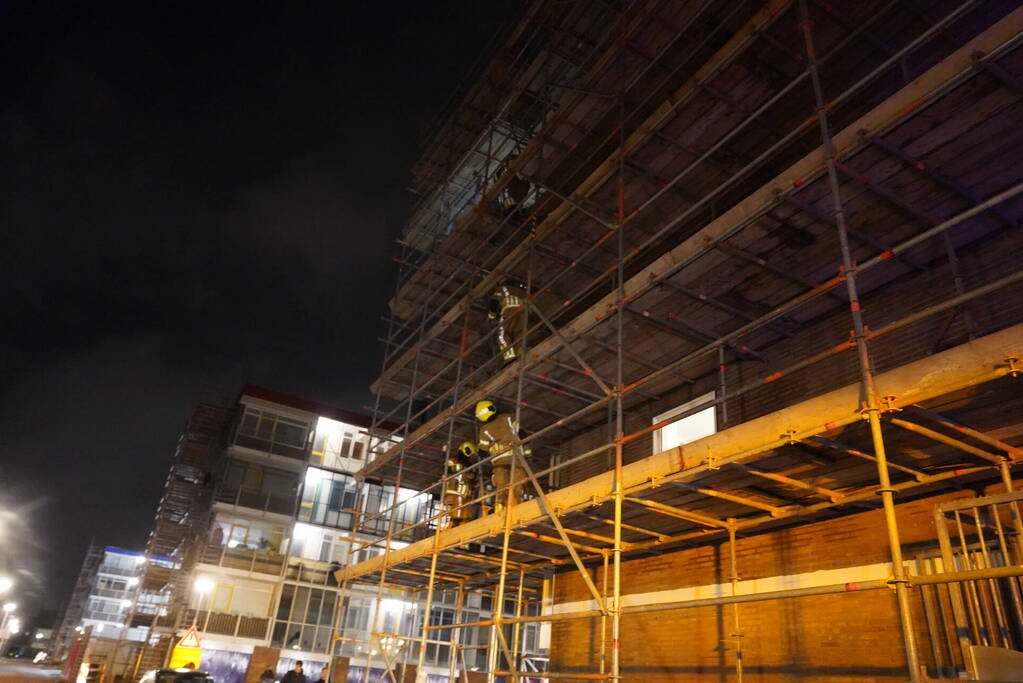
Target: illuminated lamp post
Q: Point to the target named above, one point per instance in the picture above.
(203, 587)
(8, 625)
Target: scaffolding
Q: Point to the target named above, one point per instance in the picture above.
(75, 607)
(160, 602)
(754, 202)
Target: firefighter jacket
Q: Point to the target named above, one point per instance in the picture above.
(456, 484)
(507, 299)
(499, 436)
(507, 305)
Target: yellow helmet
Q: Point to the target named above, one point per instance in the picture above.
(468, 449)
(485, 410)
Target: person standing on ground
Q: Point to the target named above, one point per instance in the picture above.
(324, 672)
(295, 675)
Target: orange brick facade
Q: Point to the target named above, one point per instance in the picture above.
(830, 638)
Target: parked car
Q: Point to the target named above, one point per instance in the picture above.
(176, 676)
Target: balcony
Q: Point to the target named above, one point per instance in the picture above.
(227, 624)
(118, 571)
(311, 572)
(245, 559)
(292, 451)
(266, 501)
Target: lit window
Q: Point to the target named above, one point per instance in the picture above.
(690, 428)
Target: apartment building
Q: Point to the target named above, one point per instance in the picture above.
(110, 598)
(259, 511)
(102, 600)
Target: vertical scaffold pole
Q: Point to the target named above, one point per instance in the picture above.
(516, 629)
(872, 405)
(615, 609)
(603, 617)
(497, 634)
(454, 651)
(391, 520)
(734, 580)
(420, 675)
(342, 592)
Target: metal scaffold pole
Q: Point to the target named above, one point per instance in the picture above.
(569, 340)
(615, 608)
(454, 651)
(871, 402)
(733, 579)
(428, 607)
(389, 538)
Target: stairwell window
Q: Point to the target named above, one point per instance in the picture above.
(696, 425)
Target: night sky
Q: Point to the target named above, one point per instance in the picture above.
(194, 196)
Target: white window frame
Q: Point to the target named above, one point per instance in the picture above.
(688, 405)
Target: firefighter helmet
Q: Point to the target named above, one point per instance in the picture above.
(467, 449)
(485, 410)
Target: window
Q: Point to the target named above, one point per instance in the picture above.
(337, 446)
(272, 433)
(333, 549)
(258, 487)
(304, 618)
(687, 429)
(328, 498)
(247, 534)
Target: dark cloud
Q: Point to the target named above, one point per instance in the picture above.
(194, 197)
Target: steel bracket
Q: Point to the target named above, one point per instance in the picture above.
(1015, 365)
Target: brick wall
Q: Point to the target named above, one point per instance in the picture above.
(830, 638)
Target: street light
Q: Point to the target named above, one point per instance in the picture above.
(8, 625)
(6, 583)
(203, 586)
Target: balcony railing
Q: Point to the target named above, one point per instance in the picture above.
(227, 624)
(118, 571)
(310, 571)
(262, 561)
(278, 503)
(269, 446)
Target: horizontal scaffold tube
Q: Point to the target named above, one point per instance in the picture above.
(830, 589)
(978, 361)
(895, 109)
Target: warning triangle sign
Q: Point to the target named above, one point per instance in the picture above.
(191, 639)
